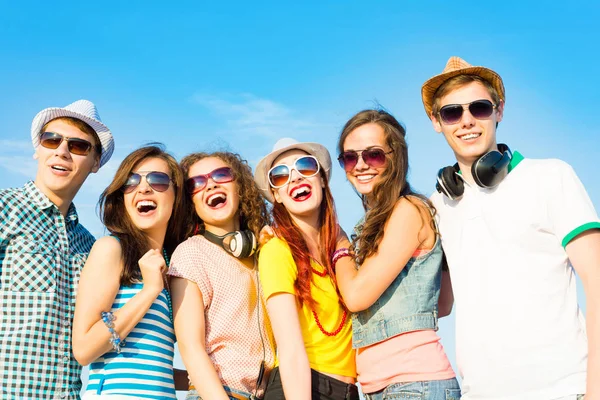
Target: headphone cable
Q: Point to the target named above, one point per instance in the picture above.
(261, 371)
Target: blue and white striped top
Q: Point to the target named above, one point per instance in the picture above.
(144, 368)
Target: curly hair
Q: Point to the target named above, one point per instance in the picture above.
(253, 208)
(392, 186)
(111, 206)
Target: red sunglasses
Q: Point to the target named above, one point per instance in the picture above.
(195, 184)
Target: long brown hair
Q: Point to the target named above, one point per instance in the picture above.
(393, 184)
(134, 243)
(328, 230)
(253, 209)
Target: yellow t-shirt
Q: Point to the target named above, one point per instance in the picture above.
(329, 354)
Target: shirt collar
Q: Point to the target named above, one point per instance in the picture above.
(515, 160)
(37, 196)
(72, 215)
(43, 202)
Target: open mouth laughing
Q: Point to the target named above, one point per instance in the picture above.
(216, 200)
(301, 192)
(145, 207)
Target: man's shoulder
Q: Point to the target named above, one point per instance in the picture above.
(542, 166)
(540, 174)
(12, 200)
(10, 195)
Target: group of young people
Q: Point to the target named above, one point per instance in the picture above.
(310, 311)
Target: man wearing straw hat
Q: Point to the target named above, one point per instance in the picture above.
(42, 250)
(514, 231)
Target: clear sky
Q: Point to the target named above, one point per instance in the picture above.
(239, 75)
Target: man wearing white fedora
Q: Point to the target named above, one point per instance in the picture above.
(515, 230)
(42, 250)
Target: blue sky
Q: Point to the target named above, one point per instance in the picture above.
(240, 75)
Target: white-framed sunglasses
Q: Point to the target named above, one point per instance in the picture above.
(280, 175)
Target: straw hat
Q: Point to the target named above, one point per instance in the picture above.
(454, 67)
(264, 165)
(83, 110)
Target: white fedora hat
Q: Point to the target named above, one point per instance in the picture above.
(83, 110)
(283, 145)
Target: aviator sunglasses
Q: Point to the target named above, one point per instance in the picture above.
(373, 156)
(280, 175)
(51, 140)
(480, 109)
(194, 184)
(158, 181)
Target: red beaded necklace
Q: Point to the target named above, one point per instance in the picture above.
(316, 317)
(334, 332)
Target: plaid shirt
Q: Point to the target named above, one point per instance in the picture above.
(41, 256)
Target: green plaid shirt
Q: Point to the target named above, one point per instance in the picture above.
(41, 257)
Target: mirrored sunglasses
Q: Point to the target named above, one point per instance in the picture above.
(158, 181)
(280, 175)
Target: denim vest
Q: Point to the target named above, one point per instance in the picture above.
(409, 304)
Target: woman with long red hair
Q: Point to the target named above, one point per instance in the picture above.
(310, 323)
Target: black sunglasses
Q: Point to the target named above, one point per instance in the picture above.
(480, 109)
(373, 156)
(158, 181)
(51, 140)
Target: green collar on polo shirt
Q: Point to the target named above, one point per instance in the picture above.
(515, 160)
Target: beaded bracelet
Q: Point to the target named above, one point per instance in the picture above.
(116, 342)
(339, 253)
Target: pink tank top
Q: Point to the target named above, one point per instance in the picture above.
(408, 357)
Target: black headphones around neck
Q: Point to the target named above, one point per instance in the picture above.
(241, 244)
(488, 171)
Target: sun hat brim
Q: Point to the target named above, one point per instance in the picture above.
(432, 85)
(49, 114)
(265, 164)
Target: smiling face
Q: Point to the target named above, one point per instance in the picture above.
(301, 196)
(149, 209)
(60, 173)
(470, 137)
(363, 176)
(218, 203)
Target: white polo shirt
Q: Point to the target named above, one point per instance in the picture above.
(520, 334)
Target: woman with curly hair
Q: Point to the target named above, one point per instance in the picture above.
(222, 329)
(123, 323)
(310, 322)
(401, 287)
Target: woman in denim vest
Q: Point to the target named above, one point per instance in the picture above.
(400, 288)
